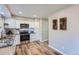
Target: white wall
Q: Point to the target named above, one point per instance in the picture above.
(66, 41)
(44, 29)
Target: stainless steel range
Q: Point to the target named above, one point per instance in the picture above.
(24, 32)
(24, 35)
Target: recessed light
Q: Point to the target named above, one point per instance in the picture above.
(20, 12)
(34, 15)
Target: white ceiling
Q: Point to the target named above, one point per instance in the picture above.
(41, 10)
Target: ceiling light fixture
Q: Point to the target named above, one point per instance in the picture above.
(20, 12)
(34, 15)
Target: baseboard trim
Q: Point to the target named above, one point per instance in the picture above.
(43, 40)
(57, 50)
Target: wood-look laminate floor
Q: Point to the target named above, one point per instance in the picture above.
(34, 48)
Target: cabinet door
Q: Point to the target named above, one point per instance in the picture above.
(11, 23)
(1, 23)
(17, 23)
(17, 39)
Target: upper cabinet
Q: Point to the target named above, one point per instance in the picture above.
(17, 23)
(10, 23)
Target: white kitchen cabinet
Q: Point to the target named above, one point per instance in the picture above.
(31, 24)
(10, 22)
(32, 37)
(17, 40)
(1, 23)
(17, 23)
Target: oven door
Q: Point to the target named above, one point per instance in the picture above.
(24, 37)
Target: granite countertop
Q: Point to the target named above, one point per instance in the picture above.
(7, 37)
(6, 42)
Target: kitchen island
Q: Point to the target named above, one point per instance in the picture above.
(9, 50)
(7, 47)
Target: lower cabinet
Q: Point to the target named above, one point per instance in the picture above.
(17, 39)
(7, 50)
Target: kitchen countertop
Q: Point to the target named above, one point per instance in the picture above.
(6, 43)
(6, 46)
